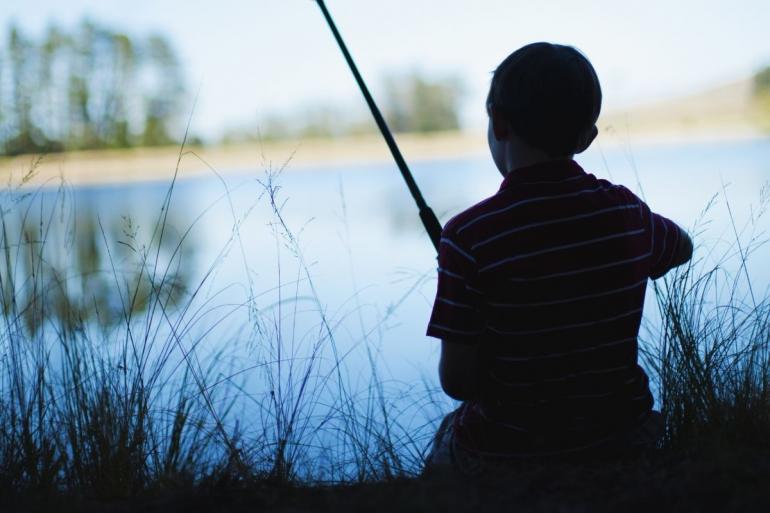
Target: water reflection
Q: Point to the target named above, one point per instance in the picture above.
(69, 262)
(286, 315)
(96, 255)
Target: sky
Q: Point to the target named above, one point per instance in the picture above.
(249, 59)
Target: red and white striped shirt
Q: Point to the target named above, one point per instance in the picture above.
(548, 278)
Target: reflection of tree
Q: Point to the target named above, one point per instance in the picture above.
(102, 273)
(91, 87)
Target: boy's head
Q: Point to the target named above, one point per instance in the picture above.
(549, 96)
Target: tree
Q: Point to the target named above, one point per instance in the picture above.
(762, 96)
(50, 50)
(25, 134)
(162, 103)
(86, 88)
(115, 123)
(418, 104)
(762, 81)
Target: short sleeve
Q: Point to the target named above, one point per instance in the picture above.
(456, 311)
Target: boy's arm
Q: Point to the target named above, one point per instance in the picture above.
(683, 252)
(456, 318)
(671, 246)
(458, 369)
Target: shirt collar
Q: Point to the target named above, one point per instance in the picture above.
(552, 171)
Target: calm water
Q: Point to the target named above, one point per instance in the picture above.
(363, 260)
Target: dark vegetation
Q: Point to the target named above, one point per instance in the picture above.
(716, 481)
(762, 82)
(762, 95)
(710, 351)
(114, 383)
(111, 402)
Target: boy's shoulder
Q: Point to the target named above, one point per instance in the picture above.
(484, 215)
(468, 216)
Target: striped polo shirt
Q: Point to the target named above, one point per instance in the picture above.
(548, 278)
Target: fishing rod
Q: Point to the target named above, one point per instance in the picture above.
(429, 219)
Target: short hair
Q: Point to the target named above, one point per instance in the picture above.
(549, 94)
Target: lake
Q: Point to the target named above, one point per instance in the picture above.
(264, 263)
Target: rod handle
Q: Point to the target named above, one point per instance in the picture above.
(432, 225)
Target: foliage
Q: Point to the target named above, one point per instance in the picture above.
(90, 87)
(762, 81)
(412, 102)
(762, 95)
(418, 104)
(710, 352)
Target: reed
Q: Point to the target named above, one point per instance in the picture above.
(109, 387)
(709, 348)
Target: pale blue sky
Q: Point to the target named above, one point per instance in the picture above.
(259, 56)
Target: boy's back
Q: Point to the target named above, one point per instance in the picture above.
(549, 277)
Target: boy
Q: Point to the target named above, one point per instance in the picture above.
(541, 286)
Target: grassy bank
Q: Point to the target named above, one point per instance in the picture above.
(113, 380)
(110, 399)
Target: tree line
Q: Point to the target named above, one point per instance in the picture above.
(89, 87)
(762, 96)
(94, 87)
(411, 102)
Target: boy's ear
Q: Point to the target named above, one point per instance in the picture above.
(586, 140)
(500, 126)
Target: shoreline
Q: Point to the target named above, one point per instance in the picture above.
(104, 167)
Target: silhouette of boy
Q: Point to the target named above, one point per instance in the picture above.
(541, 286)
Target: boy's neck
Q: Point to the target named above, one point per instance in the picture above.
(520, 155)
(522, 163)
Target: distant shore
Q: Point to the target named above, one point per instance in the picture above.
(159, 164)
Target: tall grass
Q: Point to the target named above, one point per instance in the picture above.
(709, 351)
(109, 386)
(92, 393)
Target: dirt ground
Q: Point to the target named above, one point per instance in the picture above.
(718, 479)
